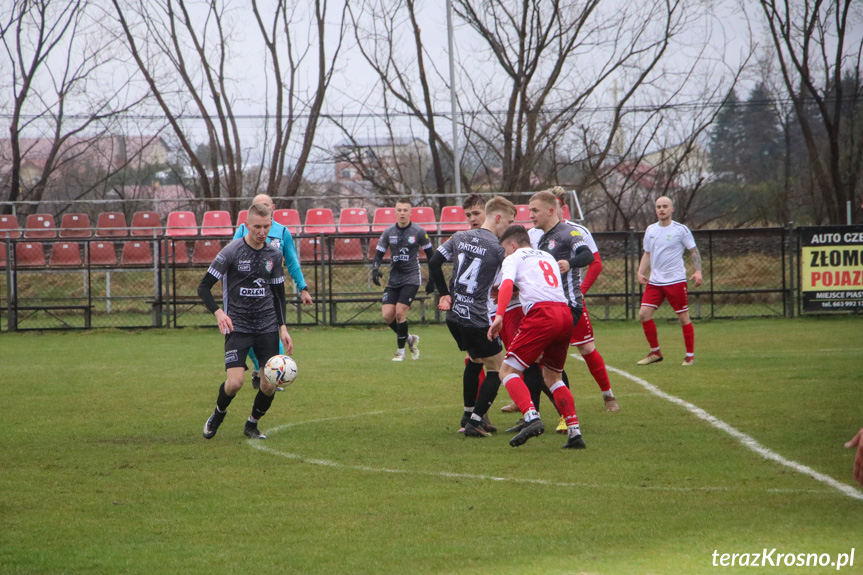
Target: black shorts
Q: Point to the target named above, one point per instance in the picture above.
(474, 340)
(577, 312)
(237, 346)
(401, 294)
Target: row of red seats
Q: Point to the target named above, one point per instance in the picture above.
(217, 223)
(104, 253)
(32, 254)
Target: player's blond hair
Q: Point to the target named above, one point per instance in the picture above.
(260, 210)
(559, 193)
(500, 205)
(546, 197)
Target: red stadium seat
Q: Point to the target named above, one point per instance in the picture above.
(75, 226)
(2, 256)
(522, 216)
(242, 217)
(65, 254)
(40, 226)
(29, 254)
(137, 253)
(181, 224)
(146, 224)
(354, 221)
(306, 248)
(348, 250)
(384, 218)
(9, 227)
(452, 219)
(217, 223)
(320, 221)
(174, 252)
(103, 254)
(111, 225)
(424, 216)
(205, 251)
(290, 219)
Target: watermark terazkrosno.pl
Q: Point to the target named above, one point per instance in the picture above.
(775, 558)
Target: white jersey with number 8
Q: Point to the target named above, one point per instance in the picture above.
(536, 275)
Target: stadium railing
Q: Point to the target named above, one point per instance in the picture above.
(747, 273)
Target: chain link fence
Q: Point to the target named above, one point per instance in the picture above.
(152, 282)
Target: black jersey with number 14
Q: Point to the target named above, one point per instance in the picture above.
(476, 256)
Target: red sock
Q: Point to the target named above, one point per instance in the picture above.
(596, 365)
(649, 328)
(565, 404)
(519, 393)
(689, 338)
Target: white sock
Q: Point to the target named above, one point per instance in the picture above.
(607, 394)
(531, 415)
(573, 430)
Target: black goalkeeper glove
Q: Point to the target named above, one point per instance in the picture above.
(430, 287)
(376, 276)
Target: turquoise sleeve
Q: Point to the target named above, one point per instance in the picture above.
(292, 262)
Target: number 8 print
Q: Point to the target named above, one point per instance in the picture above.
(548, 272)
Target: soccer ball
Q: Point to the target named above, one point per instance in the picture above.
(280, 370)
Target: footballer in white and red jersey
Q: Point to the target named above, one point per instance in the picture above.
(544, 332)
(665, 242)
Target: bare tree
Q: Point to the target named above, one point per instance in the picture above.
(192, 43)
(821, 66)
(556, 61)
(55, 55)
(403, 73)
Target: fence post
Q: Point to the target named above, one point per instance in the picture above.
(632, 279)
(12, 320)
(791, 248)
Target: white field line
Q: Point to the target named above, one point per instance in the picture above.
(261, 446)
(746, 440)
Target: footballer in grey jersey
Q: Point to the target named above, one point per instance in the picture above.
(404, 245)
(246, 275)
(561, 242)
(476, 255)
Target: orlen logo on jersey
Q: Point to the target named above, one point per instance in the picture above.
(260, 291)
(403, 255)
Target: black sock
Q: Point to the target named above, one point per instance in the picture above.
(224, 400)
(392, 325)
(262, 404)
(470, 382)
(402, 334)
(532, 377)
(487, 393)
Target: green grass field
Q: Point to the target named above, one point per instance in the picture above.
(104, 469)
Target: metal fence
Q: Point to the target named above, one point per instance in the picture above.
(747, 273)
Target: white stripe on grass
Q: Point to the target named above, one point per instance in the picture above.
(261, 446)
(746, 440)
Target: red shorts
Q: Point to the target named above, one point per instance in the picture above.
(675, 293)
(511, 321)
(582, 333)
(545, 331)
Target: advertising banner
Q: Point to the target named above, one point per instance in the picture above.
(831, 268)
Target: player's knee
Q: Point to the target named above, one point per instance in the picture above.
(233, 385)
(645, 314)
